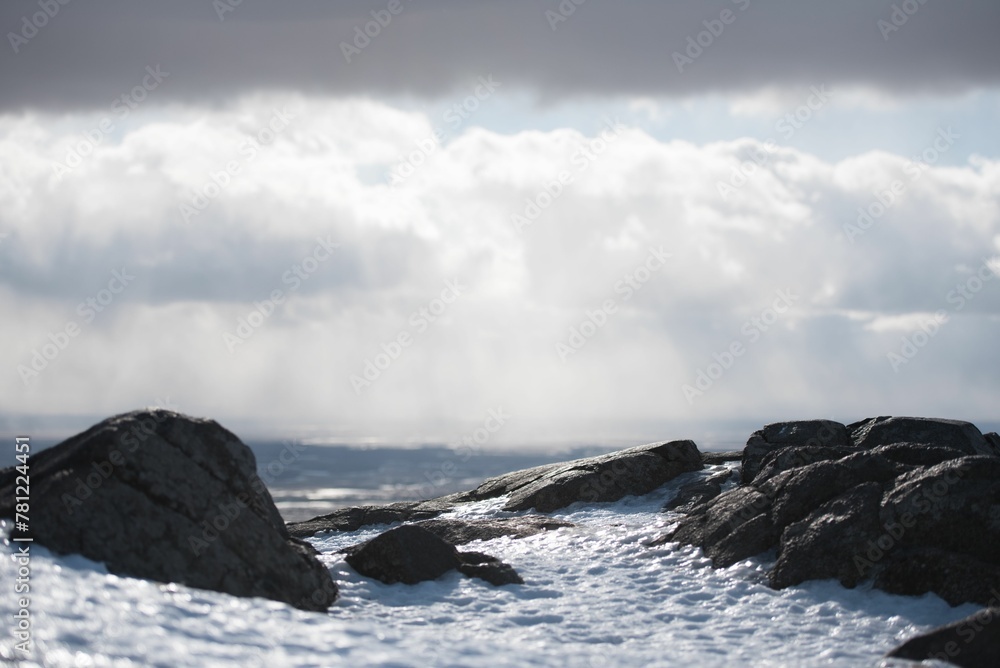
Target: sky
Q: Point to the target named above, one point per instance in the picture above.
(411, 220)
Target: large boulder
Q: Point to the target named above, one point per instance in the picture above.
(963, 436)
(973, 642)
(801, 433)
(911, 504)
(609, 477)
(410, 554)
(159, 495)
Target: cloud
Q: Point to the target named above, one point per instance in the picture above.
(541, 231)
(87, 55)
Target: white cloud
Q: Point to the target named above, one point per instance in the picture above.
(783, 229)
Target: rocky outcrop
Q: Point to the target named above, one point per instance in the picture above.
(973, 642)
(963, 436)
(546, 488)
(806, 433)
(911, 503)
(721, 457)
(608, 477)
(158, 495)
(461, 531)
(352, 519)
(700, 491)
(410, 554)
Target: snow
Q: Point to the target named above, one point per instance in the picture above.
(594, 595)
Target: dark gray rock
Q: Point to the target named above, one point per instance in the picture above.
(158, 495)
(597, 479)
(798, 492)
(729, 528)
(460, 531)
(824, 544)
(490, 569)
(700, 491)
(352, 519)
(963, 436)
(912, 514)
(716, 458)
(993, 440)
(956, 578)
(811, 433)
(917, 454)
(410, 554)
(953, 506)
(787, 458)
(608, 477)
(973, 642)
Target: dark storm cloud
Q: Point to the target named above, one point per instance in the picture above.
(86, 54)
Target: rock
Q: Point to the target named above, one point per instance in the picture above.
(716, 458)
(352, 519)
(812, 433)
(963, 436)
(155, 494)
(956, 578)
(993, 440)
(460, 531)
(824, 544)
(906, 507)
(953, 506)
(973, 642)
(412, 554)
(787, 458)
(546, 488)
(608, 477)
(490, 569)
(729, 528)
(698, 492)
(917, 454)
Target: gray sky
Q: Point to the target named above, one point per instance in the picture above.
(84, 54)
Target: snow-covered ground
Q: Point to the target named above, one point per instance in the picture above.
(594, 595)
